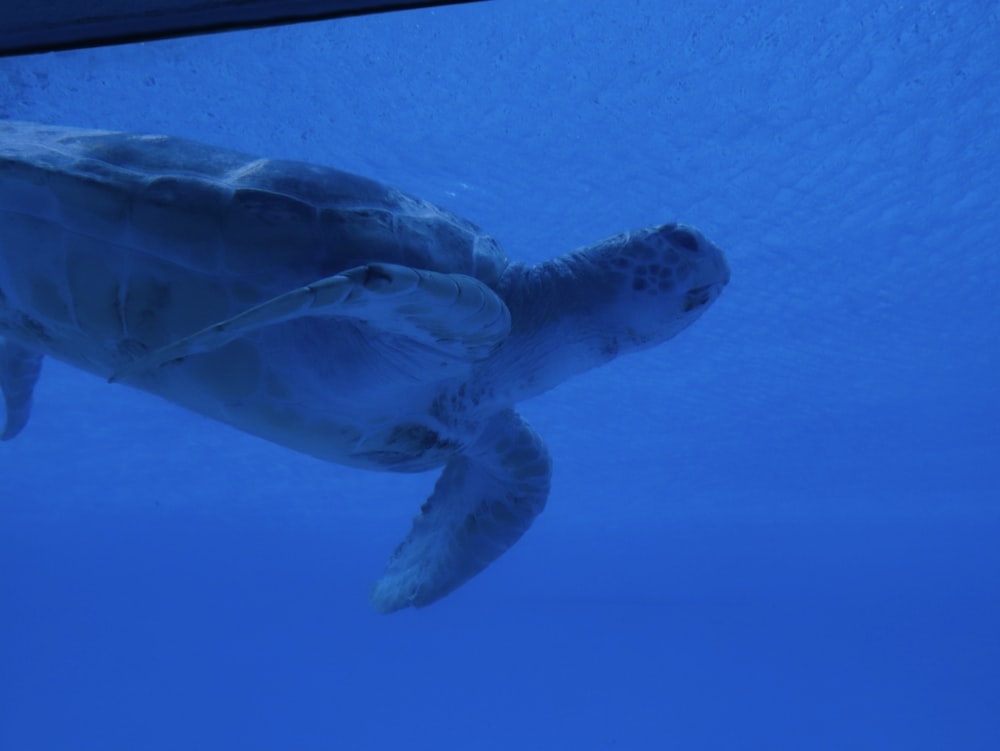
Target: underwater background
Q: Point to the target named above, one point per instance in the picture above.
(780, 530)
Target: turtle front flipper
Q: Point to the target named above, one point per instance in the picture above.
(19, 369)
(453, 316)
(485, 499)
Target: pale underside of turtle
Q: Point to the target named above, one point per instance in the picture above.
(324, 312)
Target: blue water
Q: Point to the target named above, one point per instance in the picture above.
(779, 531)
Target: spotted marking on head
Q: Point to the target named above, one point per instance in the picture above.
(655, 282)
(659, 259)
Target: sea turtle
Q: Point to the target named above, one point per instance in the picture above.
(324, 312)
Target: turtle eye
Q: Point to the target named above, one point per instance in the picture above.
(683, 239)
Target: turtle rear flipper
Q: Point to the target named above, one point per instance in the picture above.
(449, 316)
(485, 499)
(19, 369)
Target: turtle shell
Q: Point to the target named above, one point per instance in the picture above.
(274, 222)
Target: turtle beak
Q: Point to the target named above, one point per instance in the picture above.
(698, 297)
(724, 270)
(711, 276)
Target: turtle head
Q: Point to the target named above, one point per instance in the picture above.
(623, 294)
(644, 287)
